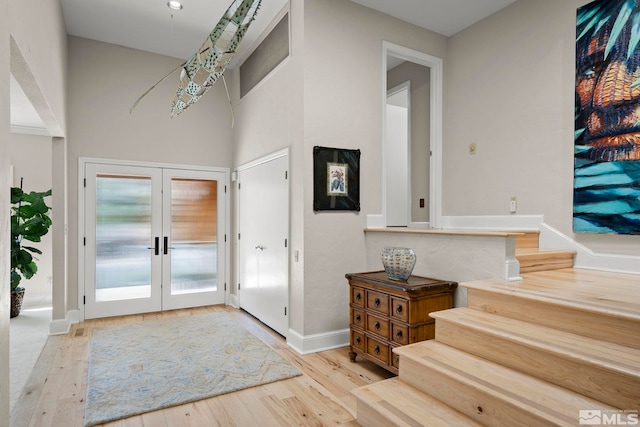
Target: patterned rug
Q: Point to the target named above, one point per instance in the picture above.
(150, 365)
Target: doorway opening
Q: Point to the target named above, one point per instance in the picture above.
(422, 184)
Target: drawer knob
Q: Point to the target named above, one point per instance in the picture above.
(399, 309)
(399, 334)
(397, 360)
(357, 318)
(358, 340)
(376, 302)
(358, 297)
(376, 326)
(376, 349)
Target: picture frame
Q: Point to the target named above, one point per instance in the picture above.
(336, 179)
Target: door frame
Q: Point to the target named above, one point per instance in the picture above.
(82, 161)
(435, 65)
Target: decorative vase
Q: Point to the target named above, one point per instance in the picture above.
(398, 262)
(17, 296)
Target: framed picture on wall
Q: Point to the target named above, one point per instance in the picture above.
(336, 179)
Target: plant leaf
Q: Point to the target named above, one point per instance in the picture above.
(621, 21)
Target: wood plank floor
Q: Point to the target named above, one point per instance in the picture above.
(55, 393)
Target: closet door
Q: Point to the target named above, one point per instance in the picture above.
(263, 204)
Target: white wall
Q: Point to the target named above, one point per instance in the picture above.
(33, 47)
(510, 85)
(105, 81)
(343, 90)
(4, 212)
(31, 157)
(39, 58)
(269, 118)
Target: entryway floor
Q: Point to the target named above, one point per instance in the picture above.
(28, 334)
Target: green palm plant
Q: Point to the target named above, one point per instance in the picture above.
(29, 221)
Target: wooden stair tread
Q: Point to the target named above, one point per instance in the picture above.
(602, 370)
(611, 356)
(544, 401)
(393, 402)
(609, 294)
(542, 253)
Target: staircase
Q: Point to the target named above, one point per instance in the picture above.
(532, 258)
(556, 346)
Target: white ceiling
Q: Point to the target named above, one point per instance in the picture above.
(446, 17)
(151, 26)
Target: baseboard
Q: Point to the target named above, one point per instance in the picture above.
(585, 257)
(317, 342)
(62, 326)
(232, 300)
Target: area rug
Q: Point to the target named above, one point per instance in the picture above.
(150, 365)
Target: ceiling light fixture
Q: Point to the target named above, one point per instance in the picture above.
(174, 5)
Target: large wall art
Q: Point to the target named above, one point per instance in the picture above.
(607, 118)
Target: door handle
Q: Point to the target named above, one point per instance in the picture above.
(156, 248)
(166, 245)
(260, 247)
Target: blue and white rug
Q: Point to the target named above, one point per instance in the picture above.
(149, 365)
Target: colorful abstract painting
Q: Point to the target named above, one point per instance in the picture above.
(607, 118)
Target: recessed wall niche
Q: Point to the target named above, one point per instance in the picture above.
(266, 57)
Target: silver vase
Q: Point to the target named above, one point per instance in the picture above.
(398, 262)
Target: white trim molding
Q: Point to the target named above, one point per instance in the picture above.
(62, 326)
(435, 65)
(307, 344)
(585, 257)
(30, 130)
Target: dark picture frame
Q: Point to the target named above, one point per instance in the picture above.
(336, 179)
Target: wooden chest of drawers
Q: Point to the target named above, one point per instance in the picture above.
(386, 313)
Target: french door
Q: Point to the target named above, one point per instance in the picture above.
(154, 239)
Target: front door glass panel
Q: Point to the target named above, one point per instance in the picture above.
(194, 240)
(123, 237)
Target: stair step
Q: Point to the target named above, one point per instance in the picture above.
(393, 402)
(599, 305)
(487, 392)
(544, 259)
(600, 370)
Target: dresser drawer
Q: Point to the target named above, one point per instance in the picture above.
(400, 309)
(358, 339)
(357, 296)
(402, 334)
(378, 349)
(395, 359)
(399, 334)
(378, 326)
(357, 317)
(378, 301)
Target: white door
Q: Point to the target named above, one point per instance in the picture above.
(263, 205)
(397, 149)
(151, 239)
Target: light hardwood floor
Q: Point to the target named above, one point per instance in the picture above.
(54, 395)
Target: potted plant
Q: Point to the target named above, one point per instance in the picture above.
(29, 221)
